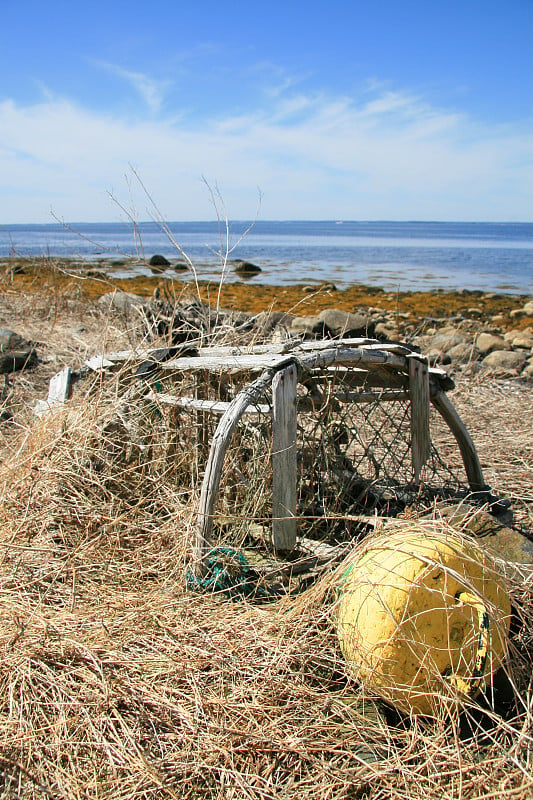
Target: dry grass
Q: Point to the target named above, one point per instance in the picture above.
(118, 683)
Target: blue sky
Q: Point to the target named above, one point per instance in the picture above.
(333, 110)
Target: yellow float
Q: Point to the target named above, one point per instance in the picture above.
(423, 617)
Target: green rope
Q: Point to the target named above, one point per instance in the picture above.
(227, 570)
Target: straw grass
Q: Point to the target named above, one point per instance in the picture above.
(119, 683)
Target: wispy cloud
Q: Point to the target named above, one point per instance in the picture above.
(150, 90)
(387, 155)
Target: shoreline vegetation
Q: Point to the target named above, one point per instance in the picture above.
(119, 680)
(91, 280)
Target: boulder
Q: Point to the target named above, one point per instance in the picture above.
(15, 352)
(487, 343)
(445, 341)
(522, 341)
(505, 360)
(438, 358)
(462, 353)
(528, 309)
(159, 261)
(122, 301)
(346, 324)
(246, 268)
(310, 328)
(9, 340)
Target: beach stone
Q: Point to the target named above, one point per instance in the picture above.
(159, 261)
(267, 322)
(528, 308)
(15, 352)
(310, 327)
(9, 340)
(522, 341)
(122, 301)
(445, 341)
(385, 331)
(95, 273)
(505, 360)
(462, 353)
(497, 319)
(487, 342)
(503, 541)
(246, 268)
(346, 324)
(437, 357)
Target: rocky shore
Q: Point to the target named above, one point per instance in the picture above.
(463, 331)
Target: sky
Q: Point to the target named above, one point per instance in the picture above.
(290, 110)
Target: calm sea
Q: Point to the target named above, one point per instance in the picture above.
(393, 255)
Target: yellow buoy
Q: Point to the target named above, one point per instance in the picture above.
(423, 617)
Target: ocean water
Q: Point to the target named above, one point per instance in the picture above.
(394, 255)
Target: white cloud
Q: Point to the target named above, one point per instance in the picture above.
(151, 91)
(392, 156)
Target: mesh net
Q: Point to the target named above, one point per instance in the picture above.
(353, 448)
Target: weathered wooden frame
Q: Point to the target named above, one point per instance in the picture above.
(398, 374)
(425, 386)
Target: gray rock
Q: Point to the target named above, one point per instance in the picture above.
(266, 322)
(122, 301)
(528, 308)
(522, 341)
(487, 343)
(462, 353)
(345, 324)
(528, 370)
(9, 340)
(505, 360)
(445, 341)
(309, 327)
(386, 330)
(437, 357)
(15, 352)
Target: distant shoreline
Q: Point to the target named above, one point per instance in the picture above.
(424, 256)
(124, 268)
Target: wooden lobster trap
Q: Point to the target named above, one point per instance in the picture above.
(301, 438)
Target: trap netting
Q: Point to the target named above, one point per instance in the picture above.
(353, 442)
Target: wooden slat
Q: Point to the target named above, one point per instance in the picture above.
(215, 406)
(420, 433)
(213, 471)
(58, 392)
(284, 477)
(226, 362)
